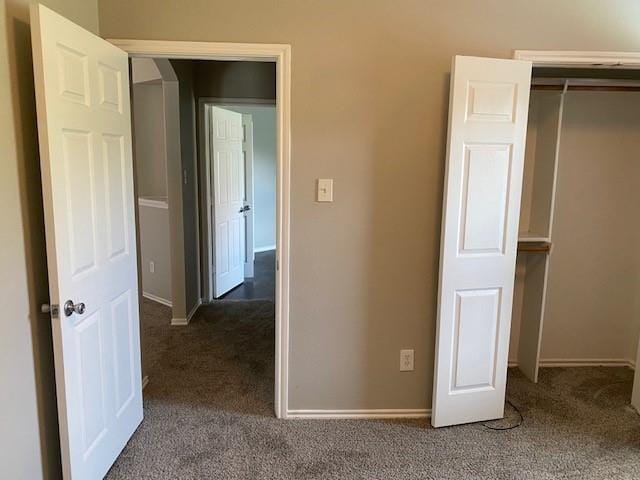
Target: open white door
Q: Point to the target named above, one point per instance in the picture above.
(82, 89)
(485, 157)
(247, 151)
(227, 184)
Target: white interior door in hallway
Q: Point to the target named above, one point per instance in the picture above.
(485, 159)
(227, 181)
(82, 89)
(247, 151)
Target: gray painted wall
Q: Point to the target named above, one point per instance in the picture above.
(29, 445)
(264, 172)
(185, 74)
(149, 141)
(235, 79)
(154, 247)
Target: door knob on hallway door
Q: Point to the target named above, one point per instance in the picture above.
(246, 208)
(70, 308)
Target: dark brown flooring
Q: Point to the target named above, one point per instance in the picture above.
(263, 285)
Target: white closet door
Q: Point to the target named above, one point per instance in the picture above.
(487, 125)
(84, 127)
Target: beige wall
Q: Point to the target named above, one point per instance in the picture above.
(370, 87)
(29, 447)
(594, 276)
(593, 294)
(369, 109)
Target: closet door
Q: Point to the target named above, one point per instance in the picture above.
(485, 158)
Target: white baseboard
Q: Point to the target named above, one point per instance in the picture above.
(145, 381)
(155, 298)
(268, 248)
(362, 414)
(185, 321)
(582, 362)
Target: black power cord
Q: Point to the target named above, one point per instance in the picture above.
(510, 427)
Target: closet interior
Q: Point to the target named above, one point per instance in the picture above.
(577, 289)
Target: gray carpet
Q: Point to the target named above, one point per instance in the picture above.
(209, 415)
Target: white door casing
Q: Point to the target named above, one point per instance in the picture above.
(635, 394)
(227, 186)
(82, 92)
(488, 111)
(247, 152)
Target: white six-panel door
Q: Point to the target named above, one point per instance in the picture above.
(485, 158)
(227, 179)
(82, 89)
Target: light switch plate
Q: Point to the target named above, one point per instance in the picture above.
(325, 190)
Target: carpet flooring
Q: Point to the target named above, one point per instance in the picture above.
(209, 415)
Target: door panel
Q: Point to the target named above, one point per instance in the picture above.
(228, 192)
(485, 198)
(82, 93)
(485, 158)
(477, 319)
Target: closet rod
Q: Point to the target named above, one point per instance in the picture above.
(597, 88)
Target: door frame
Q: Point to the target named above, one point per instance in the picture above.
(588, 59)
(206, 243)
(579, 59)
(281, 55)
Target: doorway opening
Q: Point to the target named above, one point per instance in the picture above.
(269, 116)
(239, 234)
(575, 297)
(205, 176)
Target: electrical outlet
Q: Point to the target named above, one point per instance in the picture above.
(406, 360)
(152, 267)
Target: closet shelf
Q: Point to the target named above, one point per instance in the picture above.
(534, 246)
(532, 237)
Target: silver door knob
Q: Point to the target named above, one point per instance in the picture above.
(70, 308)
